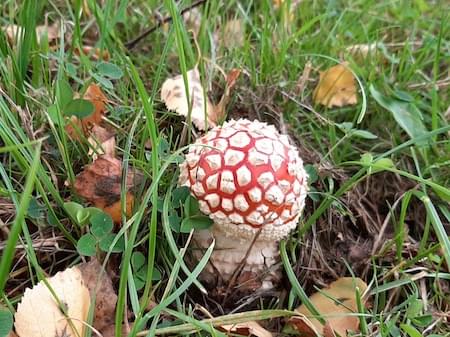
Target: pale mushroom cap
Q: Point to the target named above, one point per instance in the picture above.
(247, 176)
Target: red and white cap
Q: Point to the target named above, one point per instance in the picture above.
(246, 176)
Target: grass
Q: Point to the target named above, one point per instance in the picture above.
(383, 217)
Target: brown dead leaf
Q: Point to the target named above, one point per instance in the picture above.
(334, 303)
(336, 87)
(219, 110)
(12, 334)
(233, 34)
(96, 96)
(39, 313)
(100, 184)
(250, 328)
(102, 141)
(101, 288)
(173, 93)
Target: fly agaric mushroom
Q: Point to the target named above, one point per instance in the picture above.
(251, 182)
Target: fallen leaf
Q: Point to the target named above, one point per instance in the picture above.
(52, 31)
(39, 314)
(101, 288)
(75, 127)
(102, 142)
(100, 184)
(250, 328)
(233, 34)
(219, 110)
(173, 93)
(336, 87)
(334, 303)
(95, 95)
(13, 32)
(361, 51)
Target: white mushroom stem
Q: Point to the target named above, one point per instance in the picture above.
(242, 252)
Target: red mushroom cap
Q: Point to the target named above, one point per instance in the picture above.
(247, 176)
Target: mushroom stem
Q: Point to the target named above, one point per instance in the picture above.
(246, 261)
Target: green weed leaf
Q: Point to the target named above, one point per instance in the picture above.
(86, 245)
(64, 93)
(6, 321)
(191, 206)
(109, 70)
(139, 265)
(179, 196)
(107, 240)
(363, 134)
(79, 107)
(195, 222)
(406, 114)
(410, 330)
(77, 212)
(175, 222)
(35, 209)
(101, 224)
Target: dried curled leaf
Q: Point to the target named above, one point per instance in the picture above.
(337, 87)
(335, 303)
(100, 286)
(250, 328)
(102, 141)
(39, 314)
(220, 108)
(100, 184)
(173, 93)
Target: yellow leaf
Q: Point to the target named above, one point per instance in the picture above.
(39, 314)
(173, 93)
(336, 87)
(335, 303)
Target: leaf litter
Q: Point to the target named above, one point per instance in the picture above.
(100, 184)
(203, 113)
(336, 87)
(64, 317)
(75, 289)
(337, 304)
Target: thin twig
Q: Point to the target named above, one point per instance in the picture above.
(131, 44)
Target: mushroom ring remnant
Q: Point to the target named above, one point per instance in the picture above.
(251, 182)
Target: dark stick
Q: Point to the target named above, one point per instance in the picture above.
(131, 44)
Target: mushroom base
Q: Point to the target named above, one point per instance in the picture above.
(238, 262)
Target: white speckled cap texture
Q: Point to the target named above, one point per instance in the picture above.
(247, 177)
